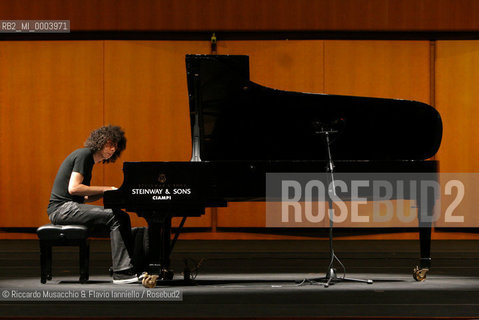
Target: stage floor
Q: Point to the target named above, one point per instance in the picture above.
(252, 279)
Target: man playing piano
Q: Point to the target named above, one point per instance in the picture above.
(71, 189)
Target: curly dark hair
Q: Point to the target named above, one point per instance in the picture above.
(99, 137)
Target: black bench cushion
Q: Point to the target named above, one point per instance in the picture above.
(59, 232)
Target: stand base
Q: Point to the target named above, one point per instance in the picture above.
(332, 278)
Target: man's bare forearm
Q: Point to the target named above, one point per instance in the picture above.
(84, 190)
(93, 198)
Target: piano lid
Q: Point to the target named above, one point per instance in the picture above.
(233, 118)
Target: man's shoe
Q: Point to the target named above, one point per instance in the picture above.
(125, 276)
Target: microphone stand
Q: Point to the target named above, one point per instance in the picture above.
(331, 275)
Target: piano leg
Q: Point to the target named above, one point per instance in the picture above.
(425, 244)
(159, 233)
(166, 249)
(160, 248)
(154, 237)
(425, 217)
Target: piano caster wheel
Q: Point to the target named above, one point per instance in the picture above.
(149, 280)
(419, 274)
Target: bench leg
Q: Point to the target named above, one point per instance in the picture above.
(45, 262)
(84, 261)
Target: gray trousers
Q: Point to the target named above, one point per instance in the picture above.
(118, 221)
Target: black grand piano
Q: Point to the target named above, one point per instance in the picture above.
(241, 131)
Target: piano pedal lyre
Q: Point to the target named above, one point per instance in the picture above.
(420, 274)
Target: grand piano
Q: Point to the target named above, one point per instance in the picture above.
(241, 131)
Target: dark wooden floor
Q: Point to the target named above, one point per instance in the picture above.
(256, 279)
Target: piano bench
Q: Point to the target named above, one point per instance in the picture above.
(51, 235)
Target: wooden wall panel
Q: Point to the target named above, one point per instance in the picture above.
(252, 15)
(457, 99)
(386, 69)
(295, 65)
(146, 94)
(285, 65)
(51, 97)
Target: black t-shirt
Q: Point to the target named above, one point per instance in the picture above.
(81, 161)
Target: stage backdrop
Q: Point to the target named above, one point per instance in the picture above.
(53, 93)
